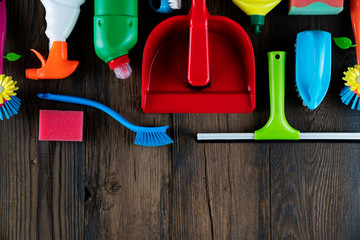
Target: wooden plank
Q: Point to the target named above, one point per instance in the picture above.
(108, 188)
(315, 191)
(221, 191)
(315, 186)
(41, 183)
(18, 183)
(127, 185)
(60, 209)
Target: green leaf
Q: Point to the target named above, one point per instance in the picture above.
(12, 57)
(344, 43)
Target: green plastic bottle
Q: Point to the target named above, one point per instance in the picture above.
(116, 33)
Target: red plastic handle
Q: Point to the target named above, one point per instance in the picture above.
(199, 63)
(355, 18)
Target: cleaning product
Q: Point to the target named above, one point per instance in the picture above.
(146, 136)
(3, 21)
(9, 103)
(166, 6)
(116, 33)
(257, 10)
(315, 7)
(57, 125)
(277, 128)
(198, 64)
(2, 32)
(351, 93)
(61, 17)
(313, 66)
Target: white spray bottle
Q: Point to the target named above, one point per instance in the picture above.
(61, 17)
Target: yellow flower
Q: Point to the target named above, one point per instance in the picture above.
(7, 88)
(352, 78)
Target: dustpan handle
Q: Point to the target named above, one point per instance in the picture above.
(2, 32)
(199, 63)
(277, 128)
(199, 10)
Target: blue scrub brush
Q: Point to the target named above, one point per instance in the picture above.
(166, 6)
(350, 93)
(145, 136)
(313, 66)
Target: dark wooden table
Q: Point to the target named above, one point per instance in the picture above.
(108, 188)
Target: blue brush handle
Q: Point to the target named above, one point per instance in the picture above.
(91, 103)
(164, 6)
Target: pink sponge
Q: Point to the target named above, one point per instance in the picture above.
(61, 126)
(315, 7)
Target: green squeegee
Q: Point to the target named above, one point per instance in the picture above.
(277, 128)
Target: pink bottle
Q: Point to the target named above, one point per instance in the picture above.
(2, 32)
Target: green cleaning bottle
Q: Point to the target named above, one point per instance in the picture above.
(116, 33)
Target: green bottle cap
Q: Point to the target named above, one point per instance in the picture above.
(257, 21)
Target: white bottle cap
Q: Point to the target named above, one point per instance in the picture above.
(123, 71)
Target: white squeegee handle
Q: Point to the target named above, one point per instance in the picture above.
(251, 136)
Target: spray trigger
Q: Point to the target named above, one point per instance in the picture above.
(40, 57)
(57, 66)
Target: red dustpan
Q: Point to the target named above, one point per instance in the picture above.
(213, 72)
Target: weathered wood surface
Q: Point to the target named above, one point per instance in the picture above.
(108, 188)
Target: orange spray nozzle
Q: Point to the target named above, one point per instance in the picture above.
(57, 66)
(355, 18)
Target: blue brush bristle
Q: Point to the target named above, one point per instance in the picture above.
(10, 108)
(152, 139)
(348, 96)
